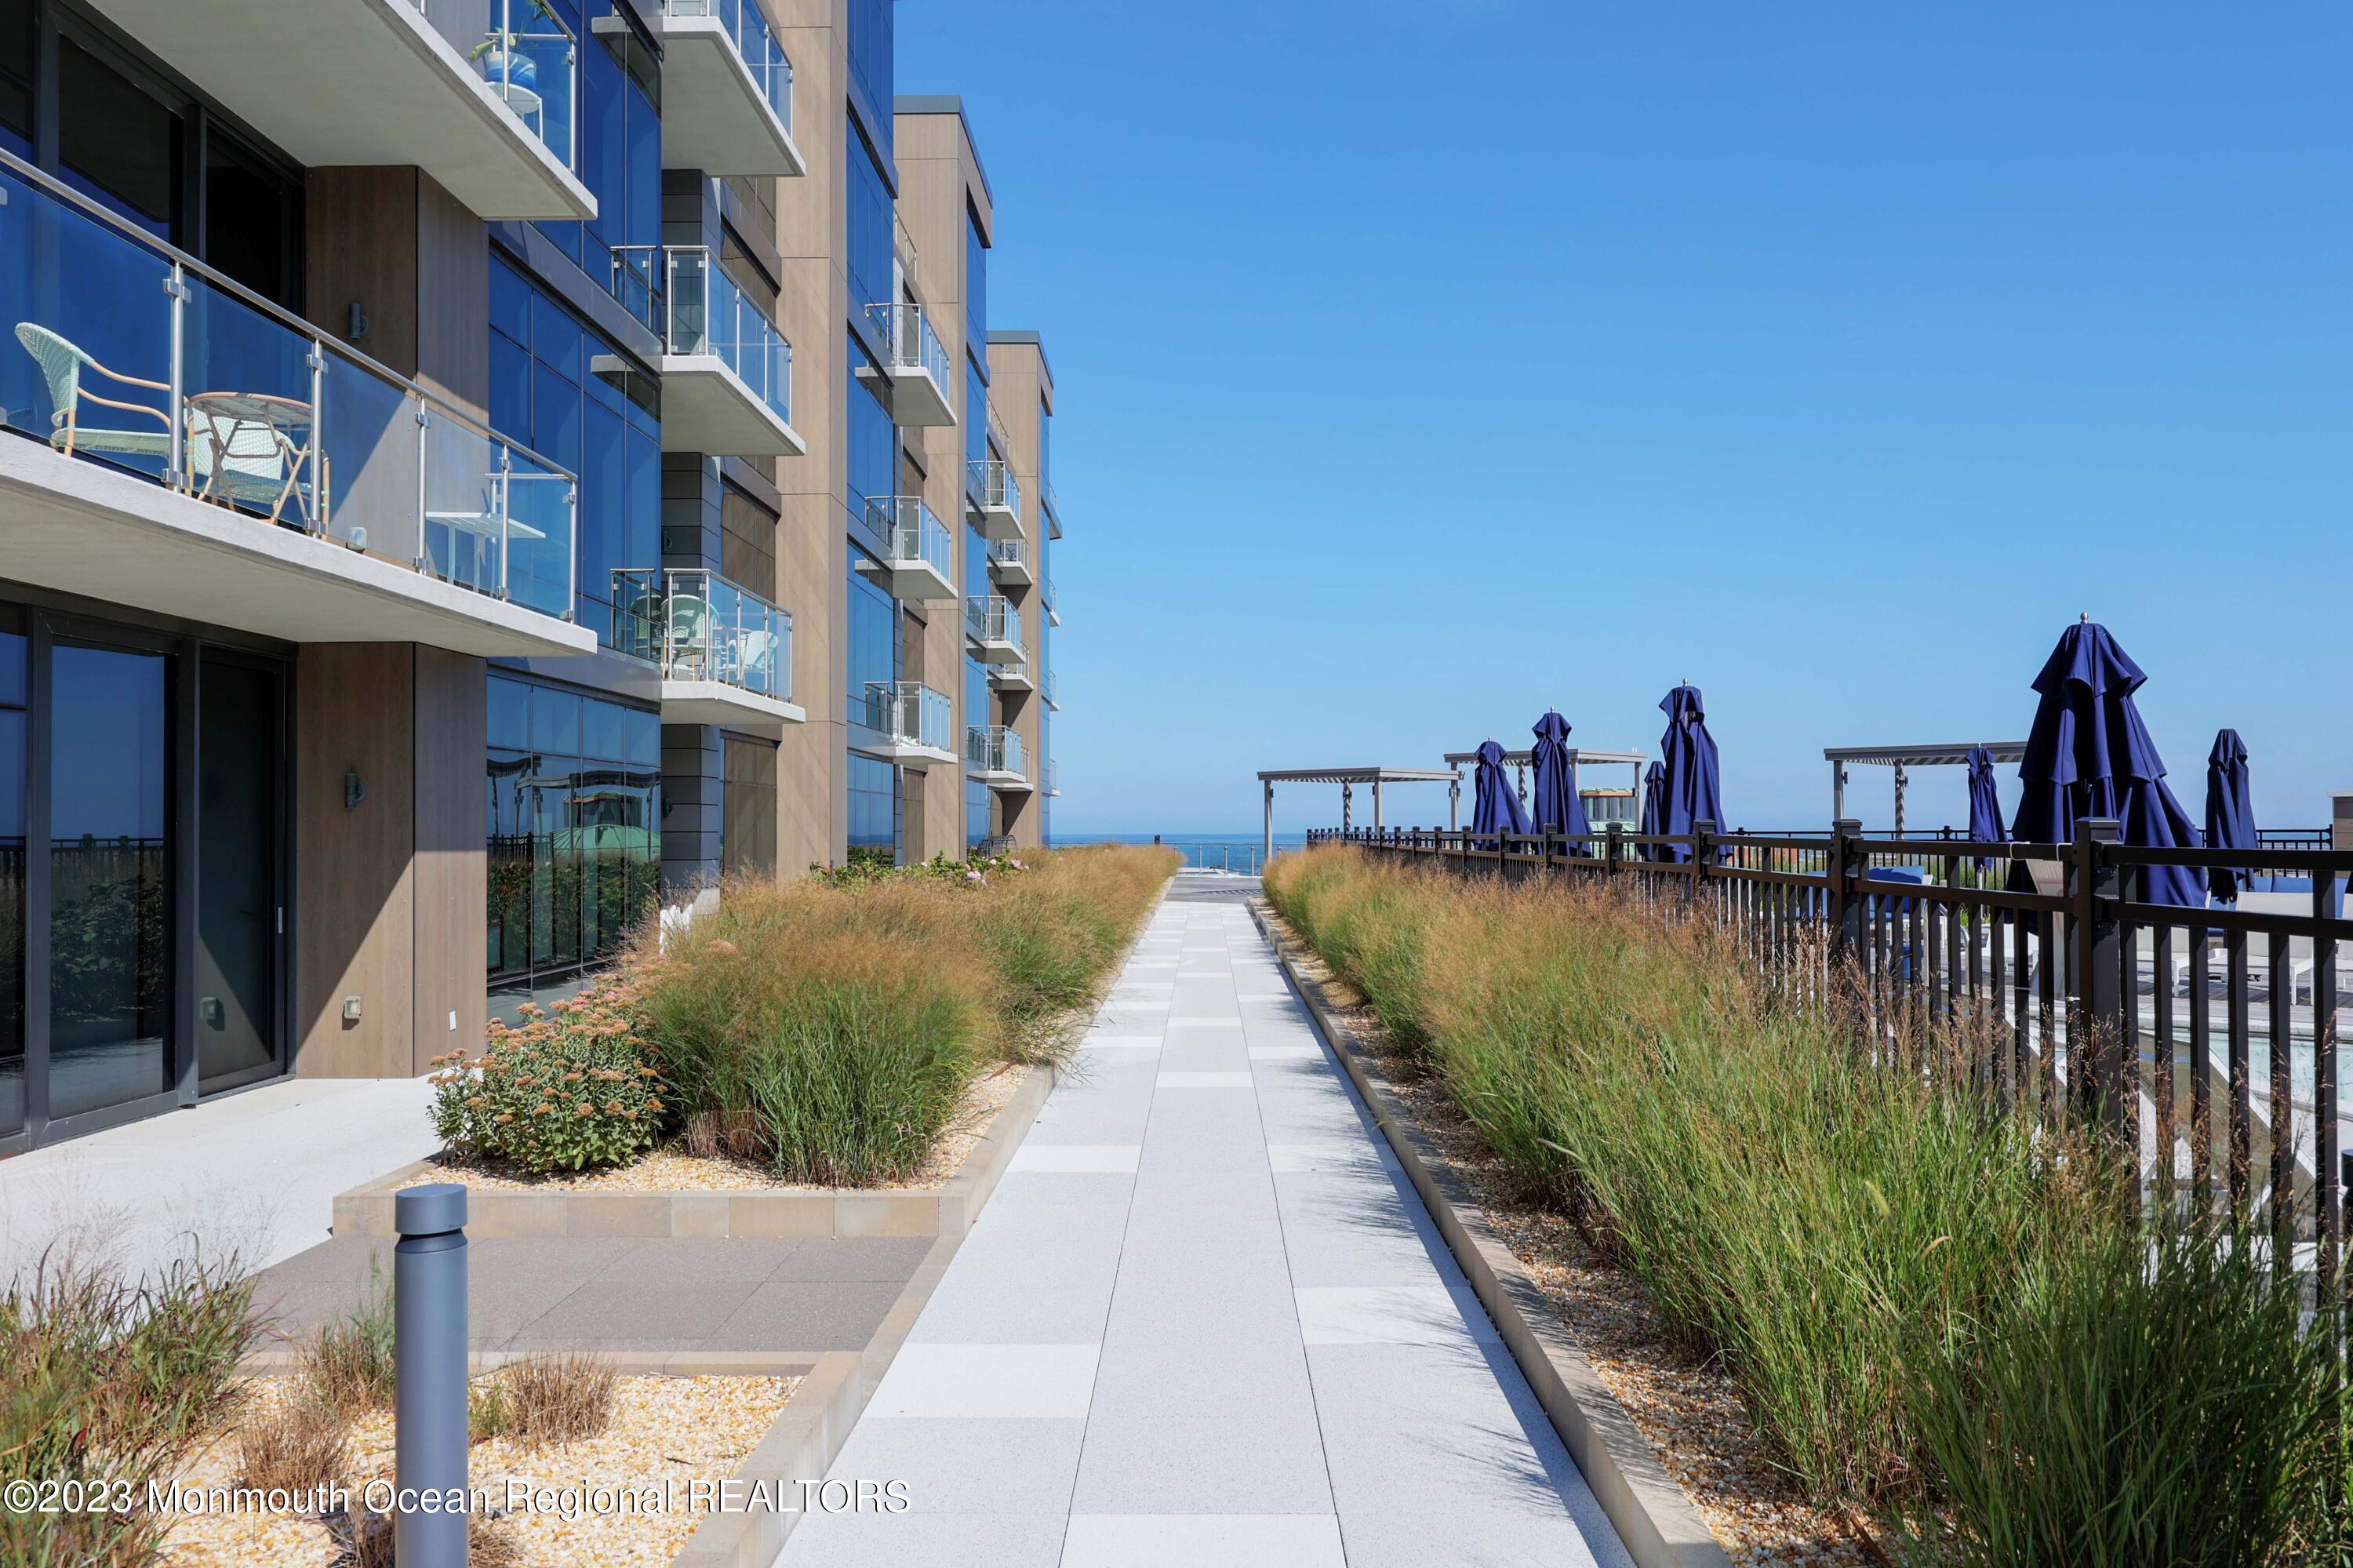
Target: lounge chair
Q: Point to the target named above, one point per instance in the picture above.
(62, 364)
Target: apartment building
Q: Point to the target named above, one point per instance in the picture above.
(474, 471)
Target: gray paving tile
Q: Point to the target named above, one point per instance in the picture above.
(854, 1258)
(1202, 1465)
(1460, 1540)
(1439, 1385)
(506, 1313)
(831, 1315)
(915, 1540)
(343, 1260)
(1191, 1541)
(546, 1257)
(1146, 1373)
(718, 1260)
(612, 1316)
(1454, 1468)
(961, 1467)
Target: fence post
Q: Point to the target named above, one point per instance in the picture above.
(1703, 850)
(2096, 1057)
(429, 1304)
(1612, 847)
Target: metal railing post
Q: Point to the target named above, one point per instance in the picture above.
(1613, 849)
(1845, 906)
(2096, 1058)
(176, 475)
(1702, 851)
(430, 1437)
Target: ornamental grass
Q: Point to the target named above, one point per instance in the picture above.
(1938, 1318)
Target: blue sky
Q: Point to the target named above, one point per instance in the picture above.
(1425, 363)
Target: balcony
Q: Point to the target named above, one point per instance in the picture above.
(1053, 777)
(1012, 678)
(992, 753)
(1008, 564)
(727, 91)
(914, 723)
(1053, 689)
(480, 94)
(994, 627)
(917, 377)
(725, 653)
(1046, 601)
(993, 498)
(326, 501)
(727, 373)
(1053, 512)
(921, 559)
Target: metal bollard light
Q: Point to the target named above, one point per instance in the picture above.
(429, 1301)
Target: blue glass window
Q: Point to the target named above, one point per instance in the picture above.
(976, 411)
(872, 51)
(975, 812)
(574, 813)
(871, 653)
(873, 441)
(873, 810)
(542, 395)
(975, 287)
(620, 152)
(872, 248)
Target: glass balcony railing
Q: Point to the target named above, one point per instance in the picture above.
(914, 344)
(911, 714)
(709, 314)
(912, 533)
(1052, 690)
(531, 63)
(755, 44)
(1008, 553)
(993, 748)
(698, 626)
(130, 351)
(991, 617)
(990, 481)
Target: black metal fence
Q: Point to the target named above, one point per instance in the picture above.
(2204, 1038)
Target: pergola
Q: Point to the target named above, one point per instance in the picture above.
(1521, 762)
(1347, 778)
(1903, 757)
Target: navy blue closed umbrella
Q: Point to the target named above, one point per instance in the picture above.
(1559, 809)
(1692, 792)
(1985, 802)
(2089, 754)
(1494, 807)
(2229, 809)
(1654, 805)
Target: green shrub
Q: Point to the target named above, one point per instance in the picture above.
(573, 1087)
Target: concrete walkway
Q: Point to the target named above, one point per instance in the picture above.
(1205, 1319)
(254, 1172)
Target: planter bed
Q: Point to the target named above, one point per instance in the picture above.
(627, 1202)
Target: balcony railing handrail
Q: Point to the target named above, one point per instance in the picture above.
(997, 484)
(502, 38)
(780, 101)
(911, 340)
(993, 748)
(1010, 551)
(164, 250)
(778, 392)
(934, 715)
(992, 618)
(664, 586)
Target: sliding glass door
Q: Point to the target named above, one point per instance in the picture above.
(142, 860)
(111, 924)
(239, 767)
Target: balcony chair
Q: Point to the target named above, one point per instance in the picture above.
(62, 364)
(756, 662)
(234, 460)
(686, 639)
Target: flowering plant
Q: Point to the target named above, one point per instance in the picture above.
(571, 1087)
